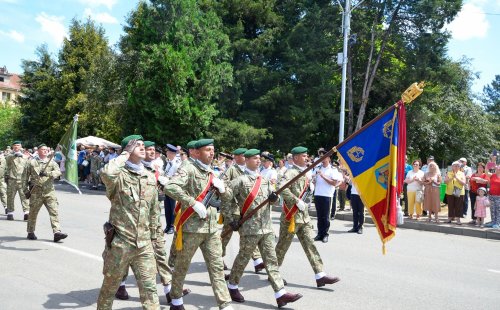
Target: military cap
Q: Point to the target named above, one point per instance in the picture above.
(239, 151)
(17, 142)
(251, 152)
(171, 148)
(158, 149)
(42, 145)
(268, 156)
(127, 139)
(191, 144)
(299, 150)
(149, 143)
(203, 142)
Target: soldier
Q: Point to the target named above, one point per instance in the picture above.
(40, 175)
(15, 176)
(196, 224)
(95, 165)
(171, 167)
(295, 218)
(134, 218)
(191, 160)
(249, 190)
(3, 184)
(233, 172)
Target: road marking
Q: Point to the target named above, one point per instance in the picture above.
(493, 270)
(81, 253)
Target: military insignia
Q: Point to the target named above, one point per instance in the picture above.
(382, 175)
(387, 130)
(356, 154)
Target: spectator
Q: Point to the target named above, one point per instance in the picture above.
(430, 159)
(80, 160)
(414, 179)
(111, 154)
(490, 166)
(358, 211)
(289, 161)
(408, 168)
(468, 173)
(478, 179)
(343, 188)
(495, 198)
(482, 203)
(455, 192)
(432, 183)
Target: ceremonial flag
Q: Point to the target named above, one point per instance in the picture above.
(68, 149)
(375, 158)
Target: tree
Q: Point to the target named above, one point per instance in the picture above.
(492, 104)
(175, 60)
(9, 119)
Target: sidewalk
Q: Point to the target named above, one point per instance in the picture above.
(422, 224)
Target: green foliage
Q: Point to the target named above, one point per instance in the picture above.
(9, 120)
(230, 134)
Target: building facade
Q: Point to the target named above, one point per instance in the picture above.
(10, 87)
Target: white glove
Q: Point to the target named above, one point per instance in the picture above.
(200, 209)
(311, 187)
(301, 205)
(219, 184)
(163, 180)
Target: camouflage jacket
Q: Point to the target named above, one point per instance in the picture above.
(3, 167)
(228, 206)
(292, 193)
(95, 163)
(240, 188)
(159, 229)
(33, 169)
(185, 186)
(134, 211)
(16, 167)
(232, 173)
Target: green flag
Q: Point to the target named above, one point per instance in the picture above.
(68, 149)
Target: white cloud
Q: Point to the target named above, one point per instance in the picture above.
(53, 25)
(14, 35)
(96, 3)
(8, 1)
(104, 18)
(470, 23)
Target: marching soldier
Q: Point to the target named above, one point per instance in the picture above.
(40, 176)
(95, 165)
(3, 184)
(196, 224)
(249, 190)
(133, 218)
(15, 175)
(233, 172)
(295, 218)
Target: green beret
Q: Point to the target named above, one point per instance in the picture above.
(149, 143)
(126, 140)
(17, 142)
(42, 145)
(239, 151)
(191, 144)
(299, 150)
(203, 142)
(251, 152)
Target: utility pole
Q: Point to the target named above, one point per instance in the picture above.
(346, 29)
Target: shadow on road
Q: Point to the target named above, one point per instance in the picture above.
(5, 239)
(72, 300)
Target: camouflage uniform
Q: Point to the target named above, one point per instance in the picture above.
(256, 231)
(43, 192)
(303, 228)
(185, 186)
(3, 185)
(134, 215)
(16, 173)
(95, 165)
(232, 173)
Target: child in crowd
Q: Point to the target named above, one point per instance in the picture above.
(482, 203)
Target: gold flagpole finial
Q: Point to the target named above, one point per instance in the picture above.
(412, 92)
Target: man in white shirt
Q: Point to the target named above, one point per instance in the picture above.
(268, 172)
(325, 180)
(468, 174)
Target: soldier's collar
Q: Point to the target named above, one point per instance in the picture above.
(134, 168)
(300, 168)
(242, 167)
(203, 166)
(252, 173)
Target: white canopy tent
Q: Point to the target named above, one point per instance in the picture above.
(95, 141)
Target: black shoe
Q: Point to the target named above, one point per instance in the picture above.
(225, 266)
(325, 239)
(326, 280)
(59, 236)
(360, 231)
(31, 236)
(26, 216)
(122, 293)
(10, 217)
(317, 238)
(170, 231)
(185, 291)
(260, 267)
(236, 295)
(287, 298)
(352, 230)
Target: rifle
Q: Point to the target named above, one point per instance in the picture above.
(250, 213)
(207, 200)
(28, 193)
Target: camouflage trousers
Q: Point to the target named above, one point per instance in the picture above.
(37, 200)
(303, 232)
(211, 248)
(225, 241)
(173, 252)
(16, 187)
(3, 192)
(117, 260)
(95, 178)
(265, 243)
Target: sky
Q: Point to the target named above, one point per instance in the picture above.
(27, 24)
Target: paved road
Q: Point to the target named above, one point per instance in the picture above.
(421, 269)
